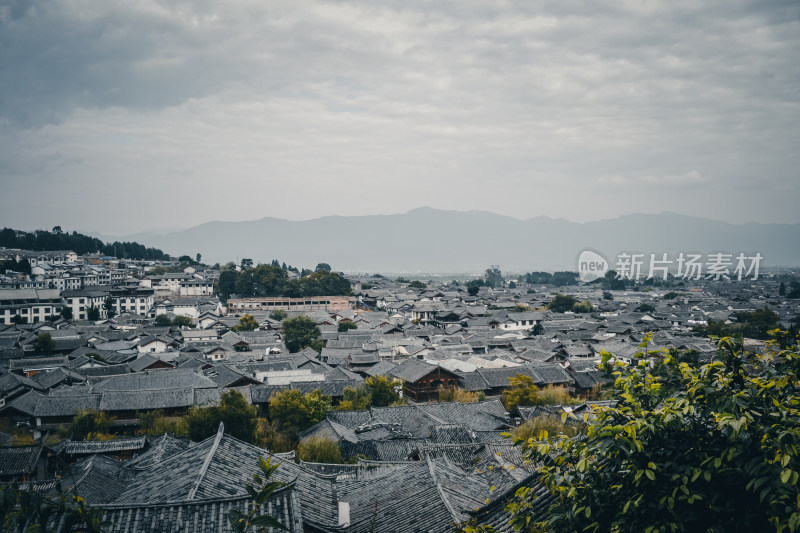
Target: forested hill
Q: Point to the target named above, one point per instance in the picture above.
(41, 240)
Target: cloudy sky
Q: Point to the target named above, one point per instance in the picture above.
(125, 116)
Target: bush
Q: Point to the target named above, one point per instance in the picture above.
(345, 325)
(90, 422)
(456, 394)
(278, 314)
(553, 425)
(319, 449)
(551, 395)
(155, 423)
(270, 436)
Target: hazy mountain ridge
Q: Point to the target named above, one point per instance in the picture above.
(433, 240)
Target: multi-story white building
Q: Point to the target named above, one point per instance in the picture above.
(132, 299)
(197, 287)
(32, 305)
(82, 299)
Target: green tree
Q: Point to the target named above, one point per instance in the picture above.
(712, 449)
(473, 290)
(238, 416)
(562, 278)
(494, 278)
(278, 314)
(246, 323)
(355, 399)
(319, 449)
(607, 295)
(562, 303)
(782, 289)
(417, 285)
(794, 289)
(287, 409)
(163, 321)
(18, 319)
(92, 313)
(263, 280)
(246, 263)
(108, 305)
(537, 329)
(345, 325)
(292, 410)
(323, 267)
(317, 405)
(646, 308)
(384, 390)
(226, 284)
(183, 321)
(260, 494)
(66, 313)
(583, 307)
(198, 257)
(44, 343)
(299, 333)
(523, 391)
(610, 281)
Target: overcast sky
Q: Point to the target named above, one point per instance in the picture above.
(125, 116)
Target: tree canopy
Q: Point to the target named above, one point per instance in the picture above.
(562, 303)
(754, 325)
(78, 243)
(44, 343)
(272, 280)
(238, 416)
(301, 332)
(246, 323)
(291, 409)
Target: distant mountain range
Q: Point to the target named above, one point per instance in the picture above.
(431, 240)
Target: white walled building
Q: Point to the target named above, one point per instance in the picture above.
(33, 305)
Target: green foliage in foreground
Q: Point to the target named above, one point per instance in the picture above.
(29, 510)
(260, 494)
(712, 448)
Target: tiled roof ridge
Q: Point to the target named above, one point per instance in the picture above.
(175, 503)
(439, 489)
(204, 468)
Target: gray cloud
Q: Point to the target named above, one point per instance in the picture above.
(297, 109)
